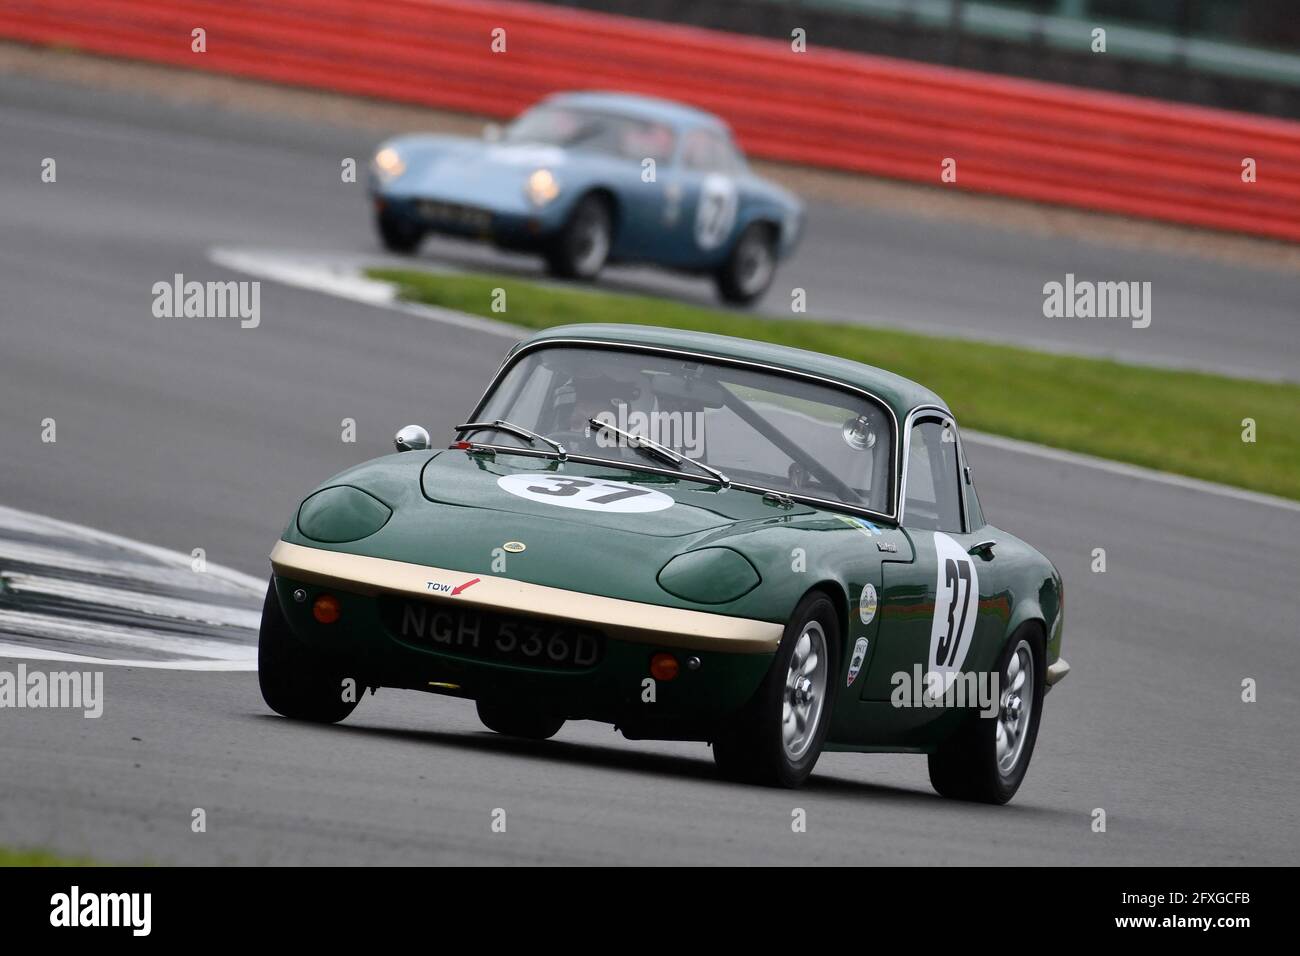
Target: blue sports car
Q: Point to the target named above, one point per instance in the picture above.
(590, 178)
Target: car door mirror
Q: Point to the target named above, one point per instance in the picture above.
(411, 438)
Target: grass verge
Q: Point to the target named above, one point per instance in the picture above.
(1184, 422)
(36, 858)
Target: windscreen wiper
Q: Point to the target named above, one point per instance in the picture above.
(519, 431)
(662, 452)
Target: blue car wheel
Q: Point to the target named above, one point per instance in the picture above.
(580, 249)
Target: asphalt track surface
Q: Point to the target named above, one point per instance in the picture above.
(196, 433)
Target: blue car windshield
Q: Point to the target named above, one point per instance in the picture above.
(624, 136)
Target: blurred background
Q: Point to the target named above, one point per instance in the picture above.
(1242, 54)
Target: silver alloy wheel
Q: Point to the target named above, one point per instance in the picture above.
(805, 691)
(1017, 708)
(591, 241)
(754, 264)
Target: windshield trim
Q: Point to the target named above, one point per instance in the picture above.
(669, 158)
(891, 516)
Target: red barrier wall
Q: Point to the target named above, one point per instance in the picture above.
(824, 108)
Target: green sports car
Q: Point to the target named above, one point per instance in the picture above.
(691, 537)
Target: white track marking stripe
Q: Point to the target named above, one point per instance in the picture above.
(18, 652)
(65, 629)
(133, 601)
(27, 521)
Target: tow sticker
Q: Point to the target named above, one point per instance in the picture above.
(586, 494)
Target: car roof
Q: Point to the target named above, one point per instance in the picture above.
(901, 394)
(642, 107)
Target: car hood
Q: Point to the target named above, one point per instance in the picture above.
(491, 175)
(475, 481)
(450, 510)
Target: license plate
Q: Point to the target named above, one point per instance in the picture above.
(450, 214)
(470, 632)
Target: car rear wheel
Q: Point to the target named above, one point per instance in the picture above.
(986, 759)
(749, 270)
(778, 737)
(398, 235)
(295, 682)
(516, 720)
(582, 246)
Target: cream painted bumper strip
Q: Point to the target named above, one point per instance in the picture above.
(626, 620)
(1056, 672)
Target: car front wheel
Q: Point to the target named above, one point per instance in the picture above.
(295, 682)
(777, 738)
(986, 759)
(582, 246)
(398, 235)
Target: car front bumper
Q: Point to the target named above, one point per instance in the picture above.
(512, 228)
(722, 659)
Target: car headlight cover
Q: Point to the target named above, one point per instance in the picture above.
(709, 576)
(341, 513)
(389, 164)
(541, 187)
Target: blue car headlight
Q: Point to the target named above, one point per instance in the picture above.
(388, 164)
(341, 513)
(541, 187)
(709, 576)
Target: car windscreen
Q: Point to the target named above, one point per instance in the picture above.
(776, 431)
(594, 131)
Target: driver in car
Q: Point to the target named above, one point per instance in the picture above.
(592, 396)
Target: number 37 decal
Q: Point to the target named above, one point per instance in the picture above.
(585, 494)
(956, 605)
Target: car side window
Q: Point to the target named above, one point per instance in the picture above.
(705, 151)
(933, 500)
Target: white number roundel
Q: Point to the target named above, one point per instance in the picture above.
(585, 494)
(956, 605)
(716, 213)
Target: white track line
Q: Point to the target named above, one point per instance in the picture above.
(20, 652)
(41, 524)
(48, 626)
(344, 280)
(133, 561)
(164, 607)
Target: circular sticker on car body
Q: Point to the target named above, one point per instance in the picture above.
(867, 605)
(586, 494)
(716, 213)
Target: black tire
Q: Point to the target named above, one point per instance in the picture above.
(295, 682)
(398, 235)
(752, 748)
(965, 767)
(518, 721)
(748, 272)
(581, 248)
